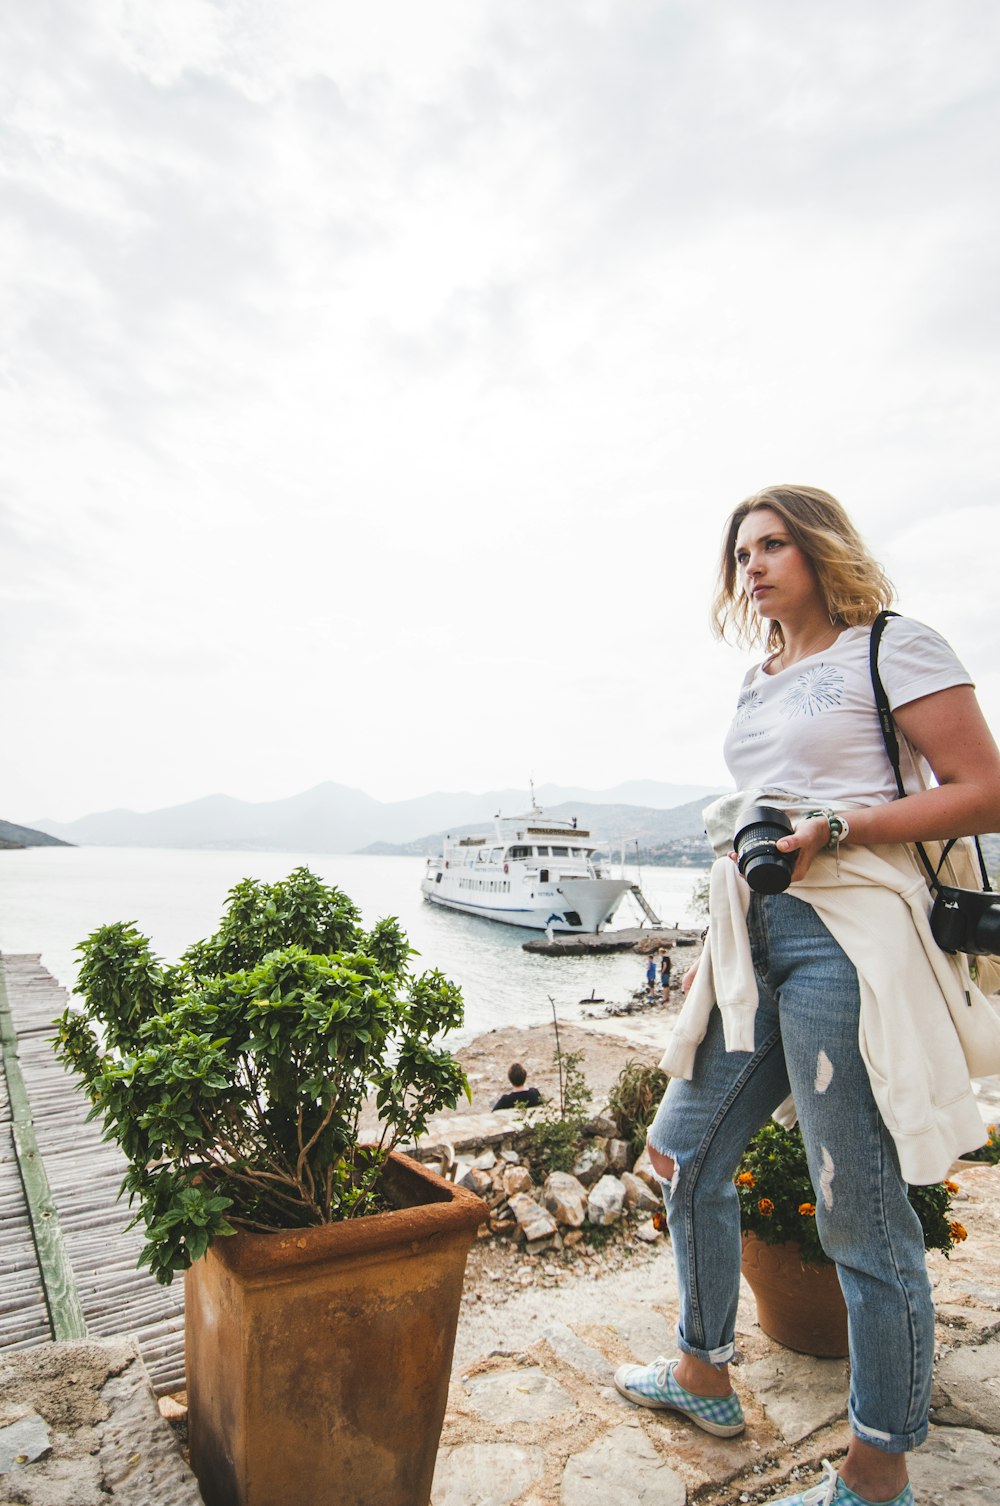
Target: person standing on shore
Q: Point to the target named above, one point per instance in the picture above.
(665, 973)
(650, 976)
(845, 951)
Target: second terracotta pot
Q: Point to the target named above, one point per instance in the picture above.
(798, 1304)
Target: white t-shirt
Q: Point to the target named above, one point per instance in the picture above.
(813, 730)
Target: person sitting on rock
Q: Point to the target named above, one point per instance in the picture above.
(520, 1094)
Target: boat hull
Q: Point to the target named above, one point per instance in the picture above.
(573, 905)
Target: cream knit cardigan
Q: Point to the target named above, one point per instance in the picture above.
(925, 1028)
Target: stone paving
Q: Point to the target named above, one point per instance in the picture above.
(534, 1418)
(79, 1426)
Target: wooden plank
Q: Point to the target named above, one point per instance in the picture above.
(85, 1174)
(61, 1299)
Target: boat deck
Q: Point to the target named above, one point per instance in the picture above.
(68, 1260)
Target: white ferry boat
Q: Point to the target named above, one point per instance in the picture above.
(534, 871)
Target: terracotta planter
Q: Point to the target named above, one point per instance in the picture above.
(798, 1304)
(318, 1360)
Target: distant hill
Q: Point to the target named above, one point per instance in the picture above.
(662, 835)
(27, 836)
(336, 818)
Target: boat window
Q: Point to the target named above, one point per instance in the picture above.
(560, 852)
(520, 852)
(541, 852)
(543, 875)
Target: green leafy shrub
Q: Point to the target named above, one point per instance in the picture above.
(552, 1138)
(234, 1081)
(777, 1201)
(634, 1099)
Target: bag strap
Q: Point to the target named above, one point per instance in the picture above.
(889, 737)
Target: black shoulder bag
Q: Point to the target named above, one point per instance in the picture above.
(963, 919)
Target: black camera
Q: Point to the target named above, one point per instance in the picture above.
(966, 920)
(765, 869)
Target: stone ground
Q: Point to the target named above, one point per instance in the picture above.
(534, 1419)
(79, 1426)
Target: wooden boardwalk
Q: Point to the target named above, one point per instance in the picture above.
(67, 1259)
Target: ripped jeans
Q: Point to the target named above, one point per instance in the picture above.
(806, 1042)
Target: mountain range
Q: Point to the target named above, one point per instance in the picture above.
(335, 818)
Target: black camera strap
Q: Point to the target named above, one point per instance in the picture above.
(891, 741)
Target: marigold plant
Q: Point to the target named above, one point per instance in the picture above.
(990, 1152)
(777, 1198)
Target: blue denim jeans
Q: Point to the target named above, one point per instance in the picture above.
(806, 1042)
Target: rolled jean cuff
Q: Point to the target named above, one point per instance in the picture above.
(716, 1357)
(890, 1443)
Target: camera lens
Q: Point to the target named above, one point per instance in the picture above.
(765, 869)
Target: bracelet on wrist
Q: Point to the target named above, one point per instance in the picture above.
(838, 826)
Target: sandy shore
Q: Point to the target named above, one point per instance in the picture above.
(607, 1043)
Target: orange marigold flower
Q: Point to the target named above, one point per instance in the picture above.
(746, 1179)
(660, 1221)
(958, 1233)
(765, 1207)
(952, 1187)
(808, 1210)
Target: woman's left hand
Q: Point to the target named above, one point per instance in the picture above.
(809, 836)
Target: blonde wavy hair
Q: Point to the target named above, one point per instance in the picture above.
(852, 584)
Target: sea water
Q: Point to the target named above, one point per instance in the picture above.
(53, 897)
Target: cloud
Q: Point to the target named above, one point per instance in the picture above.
(400, 363)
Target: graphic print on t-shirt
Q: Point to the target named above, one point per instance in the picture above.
(816, 690)
(750, 700)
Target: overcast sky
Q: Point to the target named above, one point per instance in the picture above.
(376, 379)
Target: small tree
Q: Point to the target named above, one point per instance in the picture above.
(553, 1135)
(235, 1081)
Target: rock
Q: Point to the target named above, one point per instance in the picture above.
(24, 1442)
(571, 1349)
(956, 1465)
(799, 1394)
(619, 1156)
(534, 1222)
(591, 1163)
(510, 1156)
(572, 1237)
(485, 1162)
(648, 1232)
(606, 1200)
(517, 1396)
(638, 1195)
(644, 1168)
(602, 1127)
(517, 1179)
(477, 1181)
(485, 1474)
(969, 1377)
(566, 1198)
(621, 1469)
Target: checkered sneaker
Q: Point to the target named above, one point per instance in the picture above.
(831, 1491)
(654, 1386)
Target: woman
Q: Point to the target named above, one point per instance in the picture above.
(823, 998)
